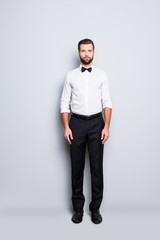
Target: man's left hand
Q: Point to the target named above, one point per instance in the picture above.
(104, 135)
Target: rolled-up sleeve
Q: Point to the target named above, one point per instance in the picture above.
(66, 95)
(106, 94)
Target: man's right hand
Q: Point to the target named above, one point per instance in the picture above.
(67, 134)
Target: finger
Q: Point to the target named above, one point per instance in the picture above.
(102, 135)
(71, 135)
(68, 140)
(105, 139)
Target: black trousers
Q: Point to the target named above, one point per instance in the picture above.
(86, 131)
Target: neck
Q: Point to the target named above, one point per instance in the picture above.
(86, 65)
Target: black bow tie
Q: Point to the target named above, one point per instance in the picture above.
(84, 69)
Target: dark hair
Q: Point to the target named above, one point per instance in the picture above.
(85, 41)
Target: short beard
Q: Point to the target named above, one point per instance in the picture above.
(86, 63)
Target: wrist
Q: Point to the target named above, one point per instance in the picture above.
(66, 126)
(106, 126)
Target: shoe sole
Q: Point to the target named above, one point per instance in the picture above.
(97, 222)
(76, 222)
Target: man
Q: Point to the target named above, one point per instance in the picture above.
(85, 94)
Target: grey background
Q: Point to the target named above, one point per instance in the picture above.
(38, 45)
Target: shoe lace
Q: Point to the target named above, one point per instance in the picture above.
(79, 211)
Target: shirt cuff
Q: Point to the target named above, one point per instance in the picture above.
(109, 105)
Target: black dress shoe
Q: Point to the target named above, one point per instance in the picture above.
(96, 216)
(77, 216)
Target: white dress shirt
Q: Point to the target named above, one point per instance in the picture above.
(85, 93)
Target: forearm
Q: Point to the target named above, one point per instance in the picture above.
(107, 116)
(64, 116)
